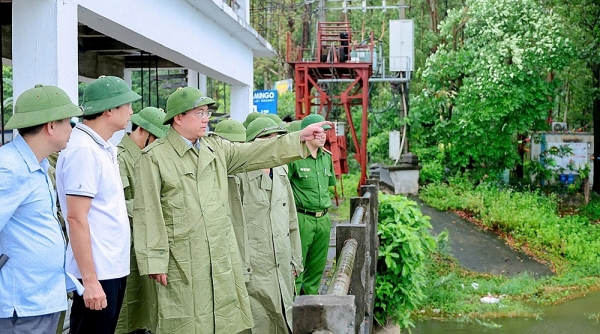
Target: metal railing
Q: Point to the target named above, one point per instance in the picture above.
(348, 305)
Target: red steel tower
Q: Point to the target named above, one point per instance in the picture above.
(338, 59)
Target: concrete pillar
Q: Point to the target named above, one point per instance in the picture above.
(127, 76)
(44, 45)
(241, 102)
(197, 80)
(324, 314)
(202, 83)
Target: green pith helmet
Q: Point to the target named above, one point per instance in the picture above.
(105, 93)
(251, 116)
(294, 126)
(231, 130)
(312, 119)
(151, 120)
(275, 118)
(262, 126)
(185, 99)
(40, 105)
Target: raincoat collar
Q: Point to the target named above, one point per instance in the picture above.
(177, 142)
(130, 146)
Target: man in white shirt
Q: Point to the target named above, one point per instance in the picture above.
(91, 197)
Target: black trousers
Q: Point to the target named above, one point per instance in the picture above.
(87, 321)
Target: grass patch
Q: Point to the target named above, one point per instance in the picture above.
(346, 189)
(530, 222)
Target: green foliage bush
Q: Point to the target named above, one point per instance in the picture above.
(405, 247)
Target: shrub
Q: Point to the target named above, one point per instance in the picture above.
(405, 246)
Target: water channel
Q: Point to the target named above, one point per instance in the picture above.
(577, 316)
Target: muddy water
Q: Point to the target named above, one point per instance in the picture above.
(569, 317)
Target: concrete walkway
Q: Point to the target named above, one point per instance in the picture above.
(482, 251)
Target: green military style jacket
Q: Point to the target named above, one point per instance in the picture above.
(309, 177)
(275, 248)
(127, 154)
(139, 305)
(239, 224)
(182, 227)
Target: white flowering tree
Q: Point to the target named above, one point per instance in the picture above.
(490, 81)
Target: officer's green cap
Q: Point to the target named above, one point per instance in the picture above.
(105, 93)
(40, 105)
(294, 126)
(251, 116)
(151, 120)
(231, 130)
(312, 119)
(185, 99)
(262, 126)
(276, 118)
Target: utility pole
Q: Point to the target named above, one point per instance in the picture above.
(306, 25)
(402, 9)
(322, 16)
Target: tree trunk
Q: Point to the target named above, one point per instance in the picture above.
(519, 171)
(433, 15)
(596, 117)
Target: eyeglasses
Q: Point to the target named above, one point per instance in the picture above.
(203, 114)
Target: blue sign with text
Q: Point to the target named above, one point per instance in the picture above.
(265, 101)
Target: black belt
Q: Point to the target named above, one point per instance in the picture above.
(317, 214)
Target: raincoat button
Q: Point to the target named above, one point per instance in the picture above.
(288, 234)
(278, 265)
(283, 204)
(248, 269)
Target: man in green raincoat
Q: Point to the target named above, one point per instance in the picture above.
(235, 132)
(273, 236)
(182, 228)
(138, 312)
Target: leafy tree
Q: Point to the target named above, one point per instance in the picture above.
(487, 83)
(583, 18)
(7, 92)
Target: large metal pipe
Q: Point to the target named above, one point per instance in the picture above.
(343, 272)
(357, 217)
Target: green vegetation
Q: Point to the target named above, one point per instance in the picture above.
(405, 248)
(529, 221)
(496, 89)
(346, 189)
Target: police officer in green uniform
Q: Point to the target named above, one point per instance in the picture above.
(310, 179)
(182, 228)
(235, 132)
(273, 237)
(137, 313)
